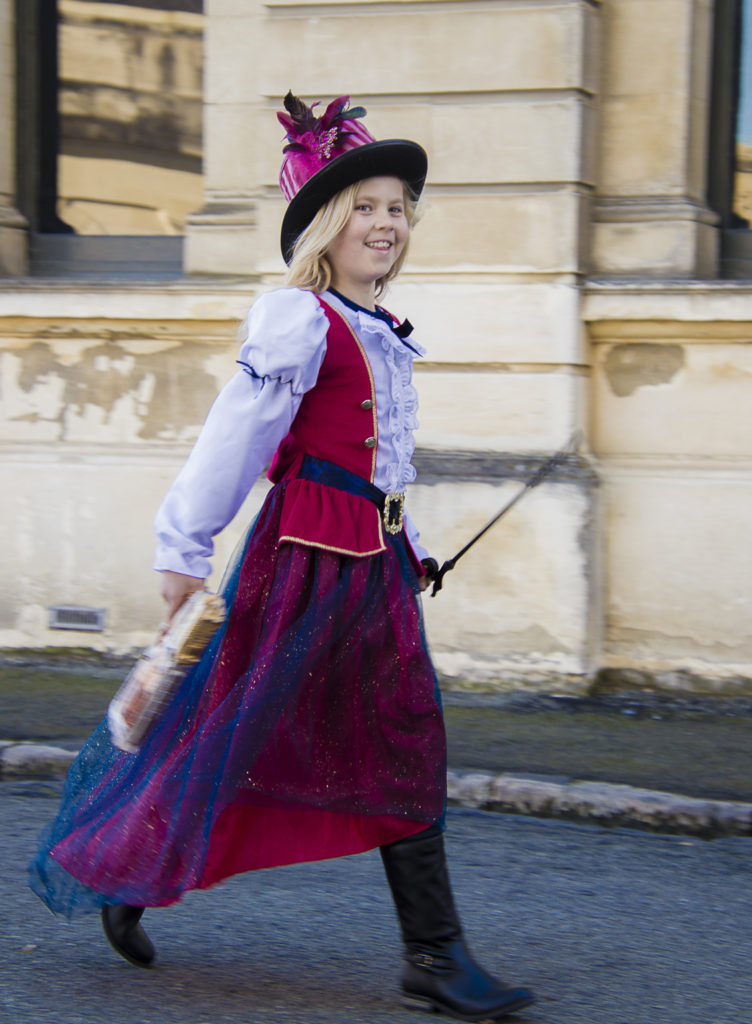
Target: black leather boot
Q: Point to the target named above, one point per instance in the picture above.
(126, 936)
(439, 974)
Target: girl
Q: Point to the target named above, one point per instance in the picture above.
(311, 728)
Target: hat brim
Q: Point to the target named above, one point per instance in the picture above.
(398, 158)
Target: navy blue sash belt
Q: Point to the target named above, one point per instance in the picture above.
(321, 471)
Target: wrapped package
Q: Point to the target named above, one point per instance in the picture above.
(159, 671)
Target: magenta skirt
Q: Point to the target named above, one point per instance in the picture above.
(311, 728)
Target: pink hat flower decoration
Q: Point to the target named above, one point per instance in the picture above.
(314, 141)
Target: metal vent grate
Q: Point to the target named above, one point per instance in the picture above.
(71, 617)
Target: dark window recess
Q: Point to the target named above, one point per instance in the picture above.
(37, 116)
(730, 141)
(126, 221)
(192, 6)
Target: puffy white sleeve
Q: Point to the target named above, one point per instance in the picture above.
(280, 358)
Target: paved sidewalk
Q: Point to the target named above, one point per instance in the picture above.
(677, 763)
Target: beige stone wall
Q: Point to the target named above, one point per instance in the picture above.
(504, 100)
(557, 282)
(667, 412)
(103, 393)
(672, 432)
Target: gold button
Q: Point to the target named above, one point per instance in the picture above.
(370, 442)
(368, 404)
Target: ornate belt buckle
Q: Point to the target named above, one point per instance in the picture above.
(394, 512)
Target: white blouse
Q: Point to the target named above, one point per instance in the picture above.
(281, 356)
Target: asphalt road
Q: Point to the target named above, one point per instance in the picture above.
(608, 927)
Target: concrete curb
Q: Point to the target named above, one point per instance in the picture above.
(33, 760)
(596, 803)
(600, 803)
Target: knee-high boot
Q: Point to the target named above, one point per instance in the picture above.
(439, 972)
(125, 934)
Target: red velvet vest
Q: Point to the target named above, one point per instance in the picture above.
(336, 421)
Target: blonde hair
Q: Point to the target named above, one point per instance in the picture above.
(310, 267)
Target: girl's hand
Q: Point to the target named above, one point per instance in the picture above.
(432, 567)
(176, 589)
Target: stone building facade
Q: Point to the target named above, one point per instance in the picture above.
(567, 275)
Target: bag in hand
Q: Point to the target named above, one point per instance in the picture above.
(155, 677)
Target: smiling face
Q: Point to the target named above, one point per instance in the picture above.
(371, 241)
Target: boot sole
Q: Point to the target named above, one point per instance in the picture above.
(427, 1005)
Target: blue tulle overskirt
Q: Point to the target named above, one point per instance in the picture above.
(311, 728)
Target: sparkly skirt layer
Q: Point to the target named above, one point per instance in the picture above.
(310, 729)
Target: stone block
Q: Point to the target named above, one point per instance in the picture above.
(679, 564)
(78, 537)
(487, 49)
(14, 249)
(672, 397)
(231, 148)
(511, 231)
(466, 322)
(230, 8)
(521, 140)
(697, 153)
(516, 606)
(646, 45)
(231, 74)
(671, 247)
(220, 247)
(655, 89)
(484, 141)
(205, 310)
(643, 144)
(488, 410)
(270, 211)
(614, 310)
(93, 390)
